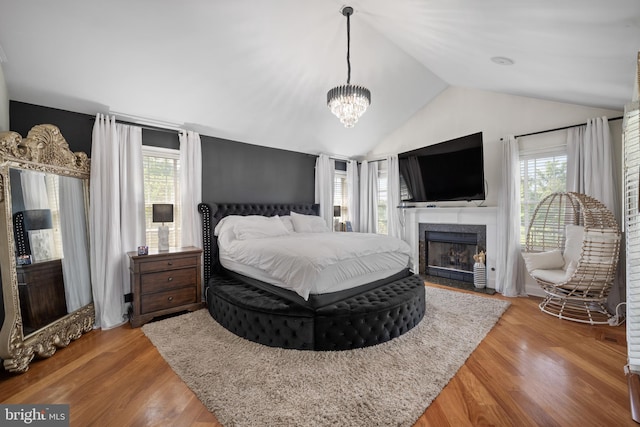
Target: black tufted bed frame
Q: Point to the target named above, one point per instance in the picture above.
(363, 316)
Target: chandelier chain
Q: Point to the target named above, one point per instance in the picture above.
(348, 49)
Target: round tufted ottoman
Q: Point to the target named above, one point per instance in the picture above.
(366, 319)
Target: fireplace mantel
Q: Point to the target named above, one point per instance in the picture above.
(487, 216)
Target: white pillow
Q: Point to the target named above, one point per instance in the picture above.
(571, 268)
(260, 227)
(288, 223)
(574, 235)
(225, 225)
(249, 227)
(550, 260)
(308, 223)
(224, 230)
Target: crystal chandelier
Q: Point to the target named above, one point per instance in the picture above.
(348, 102)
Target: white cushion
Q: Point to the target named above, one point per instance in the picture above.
(288, 223)
(260, 227)
(603, 246)
(249, 227)
(551, 276)
(549, 260)
(308, 223)
(555, 275)
(574, 236)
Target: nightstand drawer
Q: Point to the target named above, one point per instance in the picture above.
(155, 282)
(167, 300)
(166, 264)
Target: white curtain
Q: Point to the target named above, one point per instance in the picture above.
(190, 188)
(353, 198)
(132, 215)
(394, 226)
(114, 214)
(591, 164)
(509, 272)
(591, 170)
(34, 190)
(73, 227)
(325, 169)
(368, 197)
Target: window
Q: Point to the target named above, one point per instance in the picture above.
(541, 174)
(340, 193)
(52, 183)
(382, 197)
(161, 185)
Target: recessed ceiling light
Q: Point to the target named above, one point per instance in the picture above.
(502, 60)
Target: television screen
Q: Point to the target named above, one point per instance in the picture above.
(450, 170)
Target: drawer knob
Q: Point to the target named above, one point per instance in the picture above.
(170, 298)
(170, 279)
(169, 263)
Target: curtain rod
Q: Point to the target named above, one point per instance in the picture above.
(147, 127)
(556, 129)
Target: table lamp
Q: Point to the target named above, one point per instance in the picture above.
(163, 212)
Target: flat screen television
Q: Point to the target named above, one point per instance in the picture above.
(449, 171)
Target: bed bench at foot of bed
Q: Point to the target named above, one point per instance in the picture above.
(366, 319)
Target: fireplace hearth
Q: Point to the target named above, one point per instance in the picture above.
(446, 250)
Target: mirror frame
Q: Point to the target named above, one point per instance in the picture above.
(45, 150)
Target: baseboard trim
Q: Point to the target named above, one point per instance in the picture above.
(534, 291)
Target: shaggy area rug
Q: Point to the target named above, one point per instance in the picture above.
(248, 384)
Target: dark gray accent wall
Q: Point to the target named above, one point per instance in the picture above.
(75, 127)
(232, 172)
(243, 173)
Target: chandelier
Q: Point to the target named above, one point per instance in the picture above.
(348, 102)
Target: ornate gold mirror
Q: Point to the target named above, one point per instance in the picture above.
(44, 246)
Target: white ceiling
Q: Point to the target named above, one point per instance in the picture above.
(258, 71)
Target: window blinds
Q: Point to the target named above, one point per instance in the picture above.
(631, 142)
(540, 175)
(161, 185)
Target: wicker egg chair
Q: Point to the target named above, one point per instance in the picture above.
(572, 250)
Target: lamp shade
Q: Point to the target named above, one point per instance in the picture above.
(162, 212)
(37, 219)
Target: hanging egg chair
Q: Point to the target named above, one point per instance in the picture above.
(572, 250)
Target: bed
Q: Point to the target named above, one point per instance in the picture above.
(341, 309)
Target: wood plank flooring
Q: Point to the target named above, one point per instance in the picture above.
(531, 370)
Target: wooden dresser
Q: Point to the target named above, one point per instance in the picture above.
(164, 283)
(41, 290)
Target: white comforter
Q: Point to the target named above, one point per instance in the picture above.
(313, 263)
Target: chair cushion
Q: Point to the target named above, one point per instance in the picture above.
(573, 243)
(550, 276)
(549, 260)
(603, 246)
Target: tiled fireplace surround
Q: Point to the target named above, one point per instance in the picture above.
(459, 219)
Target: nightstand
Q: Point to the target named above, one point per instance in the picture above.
(164, 283)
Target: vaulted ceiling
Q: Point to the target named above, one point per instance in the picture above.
(258, 71)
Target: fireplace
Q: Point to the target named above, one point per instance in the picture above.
(446, 250)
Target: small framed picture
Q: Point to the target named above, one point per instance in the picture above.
(348, 226)
(41, 242)
(24, 260)
(143, 250)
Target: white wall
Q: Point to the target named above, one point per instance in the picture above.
(459, 111)
(4, 103)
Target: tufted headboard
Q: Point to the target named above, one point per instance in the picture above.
(214, 212)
